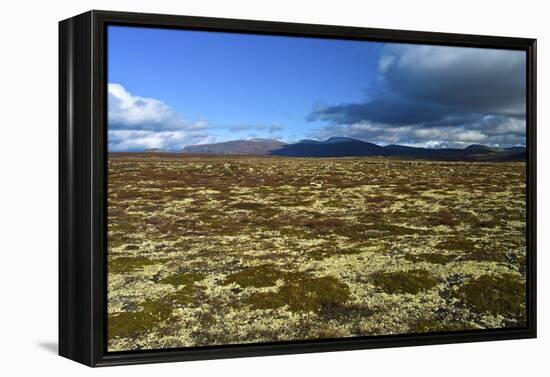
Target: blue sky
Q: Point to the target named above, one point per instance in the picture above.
(172, 88)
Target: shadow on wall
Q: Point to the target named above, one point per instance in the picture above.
(49, 346)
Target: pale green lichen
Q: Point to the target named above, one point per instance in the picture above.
(272, 249)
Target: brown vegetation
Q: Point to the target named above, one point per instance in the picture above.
(206, 250)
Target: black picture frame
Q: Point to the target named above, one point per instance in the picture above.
(82, 186)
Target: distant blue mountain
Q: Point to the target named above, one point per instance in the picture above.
(333, 147)
(246, 147)
(350, 147)
(482, 148)
(309, 141)
(517, 149)
(340, 139)
(331, 140)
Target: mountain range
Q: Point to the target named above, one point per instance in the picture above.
(349, 147)
(252, 146)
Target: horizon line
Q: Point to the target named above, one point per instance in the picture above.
(319, 141)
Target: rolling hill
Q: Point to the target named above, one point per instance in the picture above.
(251, 147)
(349, 147)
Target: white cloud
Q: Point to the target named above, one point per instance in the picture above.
(139, 140)
(265, 128)
(138, 123)
(384, 62)
(506, 126)
(491, 131)
(454, 134)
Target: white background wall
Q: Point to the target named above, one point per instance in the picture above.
(28, 210)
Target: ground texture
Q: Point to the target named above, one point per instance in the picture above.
(220, 250)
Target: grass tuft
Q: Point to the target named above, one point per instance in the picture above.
(303, 295)
(497, 295)
(128, 264)
(413, 281)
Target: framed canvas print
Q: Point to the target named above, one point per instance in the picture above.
(238, 188)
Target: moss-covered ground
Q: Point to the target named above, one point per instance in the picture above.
(206, 250)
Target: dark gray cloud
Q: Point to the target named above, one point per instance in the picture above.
(479, 94)
(384, 108)
(468, 79)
